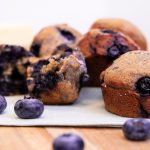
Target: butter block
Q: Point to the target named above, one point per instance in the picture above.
(16, 34)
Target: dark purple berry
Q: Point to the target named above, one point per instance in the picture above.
(118, 47)
(136, 129)
(68, 141)
(113, 52)
(67, 34)
(143, 86)
(3, 103)
(108, 31)
(62, 47)
(29, 108)
(65, 54)
(35, 49)
(84, 79)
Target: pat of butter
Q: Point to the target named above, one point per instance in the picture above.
(16, 34)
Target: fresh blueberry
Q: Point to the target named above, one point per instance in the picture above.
(3, 103)
(68, 141)
(136, 129)
(143, 86)
(29, 108)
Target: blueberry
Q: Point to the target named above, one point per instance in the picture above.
(65, 54)
(108, 31)
(136, 129)
(29, 108)
(64, 47)
(68, 141)
(67, 34)
(84, 79)
(143, 86)
(118, 47)
(35, 49)
(113, 51)
(3, 103)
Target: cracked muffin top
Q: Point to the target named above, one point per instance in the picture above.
(130, 71)
(106, 43)
(52, 37)
(67, 65)
(124, 26)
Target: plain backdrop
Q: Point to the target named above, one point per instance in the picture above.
(78, 13)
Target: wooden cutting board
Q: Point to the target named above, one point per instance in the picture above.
(31, 138)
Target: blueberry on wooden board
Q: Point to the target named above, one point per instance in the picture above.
(136, 129)
(29, 108)
(68, 141)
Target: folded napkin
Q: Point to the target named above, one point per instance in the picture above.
(88, 110)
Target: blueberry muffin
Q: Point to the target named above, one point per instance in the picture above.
(13, 63)
(52, 37)
(126, 85)
(58, 79)
(124, 26)
(100, 47)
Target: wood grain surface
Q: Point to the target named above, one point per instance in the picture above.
(40, 138)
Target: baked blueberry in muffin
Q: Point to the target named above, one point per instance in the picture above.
(13, 63)
(101, 47)
(126, 85)
(58, 79)
(52, 37)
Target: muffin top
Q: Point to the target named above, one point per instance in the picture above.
(123, 26)
(51, 38)
(106, 43)
(66, 65)
(130, 71)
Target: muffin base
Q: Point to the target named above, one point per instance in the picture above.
(64, 93)
(125, 103)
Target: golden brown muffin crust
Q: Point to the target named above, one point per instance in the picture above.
(50, 37)
(127, 69)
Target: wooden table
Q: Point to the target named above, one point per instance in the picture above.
(40, 138)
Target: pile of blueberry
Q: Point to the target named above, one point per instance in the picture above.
(27, 108)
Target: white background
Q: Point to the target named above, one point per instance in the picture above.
(78, 13)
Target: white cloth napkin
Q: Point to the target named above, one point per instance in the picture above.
(89, 110)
